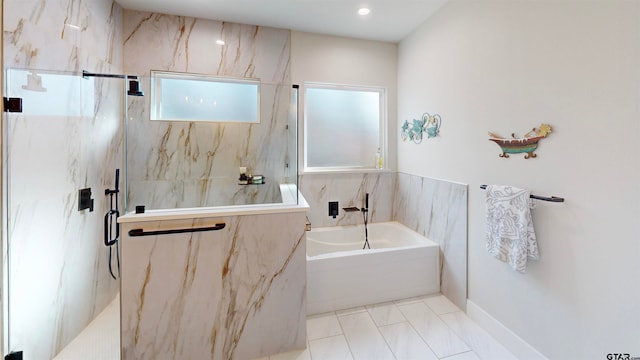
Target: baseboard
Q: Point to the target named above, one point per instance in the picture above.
(518, 347)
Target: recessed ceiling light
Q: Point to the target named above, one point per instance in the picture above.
(220, 42)
(364, 11)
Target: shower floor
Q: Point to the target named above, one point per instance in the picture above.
(100, 340)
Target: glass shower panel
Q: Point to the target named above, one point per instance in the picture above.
(68, 137)
(291, 165)
(181, 164)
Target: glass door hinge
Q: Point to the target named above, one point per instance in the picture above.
(12, 104)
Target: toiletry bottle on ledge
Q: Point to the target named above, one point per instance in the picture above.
(378, 160)
(243, 180)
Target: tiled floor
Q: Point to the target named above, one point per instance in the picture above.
(426, 328)
(419, 328)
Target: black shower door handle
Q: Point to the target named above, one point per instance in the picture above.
(141, 232)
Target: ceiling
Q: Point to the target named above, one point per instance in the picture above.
(389, 20)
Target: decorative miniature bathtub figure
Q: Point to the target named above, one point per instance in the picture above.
(527, 144)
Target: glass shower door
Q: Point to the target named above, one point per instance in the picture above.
(67, 138)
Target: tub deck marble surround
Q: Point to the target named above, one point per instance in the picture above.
(437, 209)
(235, 293)
(350, 190)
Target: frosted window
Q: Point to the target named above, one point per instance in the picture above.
(189, 97)
(343, 127)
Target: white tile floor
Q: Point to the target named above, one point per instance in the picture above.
(428, 328)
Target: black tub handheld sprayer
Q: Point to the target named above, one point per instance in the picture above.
(365, 215)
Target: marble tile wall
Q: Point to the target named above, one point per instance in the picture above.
(349, 190)
(235, 293)
(62, 142)
(192, 164)
(438, 210)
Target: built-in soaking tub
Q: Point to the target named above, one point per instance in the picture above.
(340, 274)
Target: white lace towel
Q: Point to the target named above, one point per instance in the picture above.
(509, 229)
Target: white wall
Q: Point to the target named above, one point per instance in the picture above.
(507, 66)
(337, 60)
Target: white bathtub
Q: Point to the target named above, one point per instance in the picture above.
(340, 275)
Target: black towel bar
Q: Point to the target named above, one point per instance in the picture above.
(543, 198)
(141, 232)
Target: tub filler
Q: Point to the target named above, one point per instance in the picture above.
(340, 274)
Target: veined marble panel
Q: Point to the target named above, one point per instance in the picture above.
(65, 35)
(160, 151)
(438, 210)
(349, 190)
(167, 194)
(176, 43)
(58, 274)
(235, 293)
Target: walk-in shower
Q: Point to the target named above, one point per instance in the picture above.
(74, 130)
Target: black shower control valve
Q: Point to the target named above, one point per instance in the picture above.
(333, 209)
(84, 200)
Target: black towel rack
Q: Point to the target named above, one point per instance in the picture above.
(543, 198)
(141, 232)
